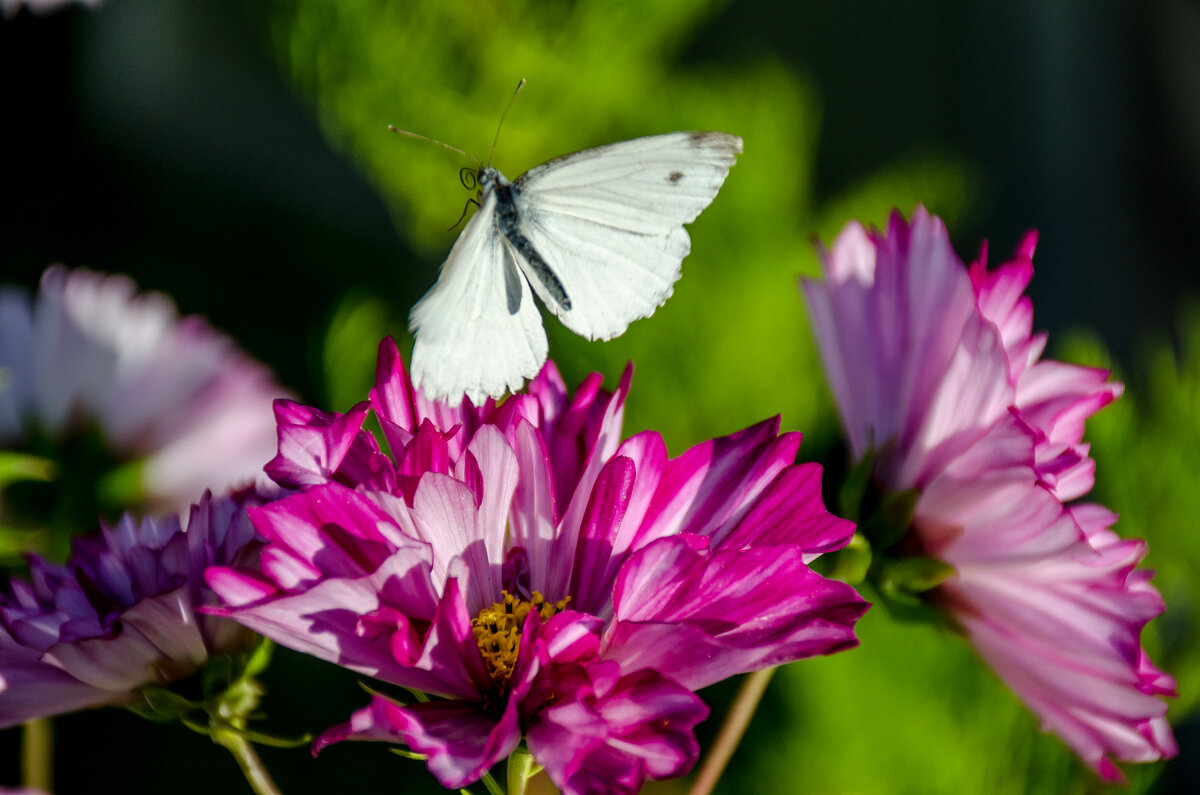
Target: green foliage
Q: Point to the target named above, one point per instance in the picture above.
(732, 346)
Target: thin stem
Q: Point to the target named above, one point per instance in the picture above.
(248, 760)
(37, 754)
(490, 783)
(520, 765)
(736, 722)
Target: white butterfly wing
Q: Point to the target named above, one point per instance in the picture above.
(477, 330)
(609, 223)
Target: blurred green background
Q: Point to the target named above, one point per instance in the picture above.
(235, 155)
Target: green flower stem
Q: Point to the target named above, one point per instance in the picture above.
(736, 722)
(37, 754)
(520, 766)
(247, 758)
(490, 784)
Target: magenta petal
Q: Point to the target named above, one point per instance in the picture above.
(312, 444)
(705, 616)
(792, 511)
(608, 732)
(610, 495)
(460, 740)
(392, 397)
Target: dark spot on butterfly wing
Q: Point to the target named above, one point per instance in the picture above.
(512, 280)
(674, 177)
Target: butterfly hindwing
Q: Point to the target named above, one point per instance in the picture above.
(478, 331)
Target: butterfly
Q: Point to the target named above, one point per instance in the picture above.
(597, 235)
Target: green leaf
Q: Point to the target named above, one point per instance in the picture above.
(17, 467)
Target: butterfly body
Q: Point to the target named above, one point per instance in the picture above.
(597, 235)
(508, 222)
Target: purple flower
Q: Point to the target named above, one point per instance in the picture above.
(938, 376)
(121, 614)
(90, 354)
(546, 580)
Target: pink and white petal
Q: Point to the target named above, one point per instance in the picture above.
(593, 551)
(710, 488)
(312, 443)
(586, 435)
(330, 527)
(791, 511)
(607, 732)
(446, 517)
(460, 740)
(974, 393)
(1096, 716)
(122, 661)
(496, 464)
(392, 397)
(169, 622)
(705, 616)
(1000, 295)
(532, 518)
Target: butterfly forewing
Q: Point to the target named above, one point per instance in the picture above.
(646, 185)
(478, 331)
(609, 222)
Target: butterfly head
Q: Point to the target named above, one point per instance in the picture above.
(481, 180)
(489, 178)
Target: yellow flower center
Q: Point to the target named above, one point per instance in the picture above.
(497, 630)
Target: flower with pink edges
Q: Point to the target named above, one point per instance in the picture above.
(122, 613)
(938, 378)
(545, 581)
(89, 353)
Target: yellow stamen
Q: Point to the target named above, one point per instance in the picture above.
(497, 630)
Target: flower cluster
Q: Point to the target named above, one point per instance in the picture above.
(122, 613)
(942, 391)
(169, 395)
(545, 580)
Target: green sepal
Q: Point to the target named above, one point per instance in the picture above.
(854, 487)
(274, 740)
(905, 579)
(216, 676)
(890, 520)
(408, 754)
(260, 658)
(850, 564)
(161, 705)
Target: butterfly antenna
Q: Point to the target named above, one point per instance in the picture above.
(426, 138)
(502, 115)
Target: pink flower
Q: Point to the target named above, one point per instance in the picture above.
(121, 614)
(544, 579)
(89, 354)
(937, 374)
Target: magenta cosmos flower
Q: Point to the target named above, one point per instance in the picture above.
(548, 582)
(89, 354)
(121, 614)
(938, 376)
